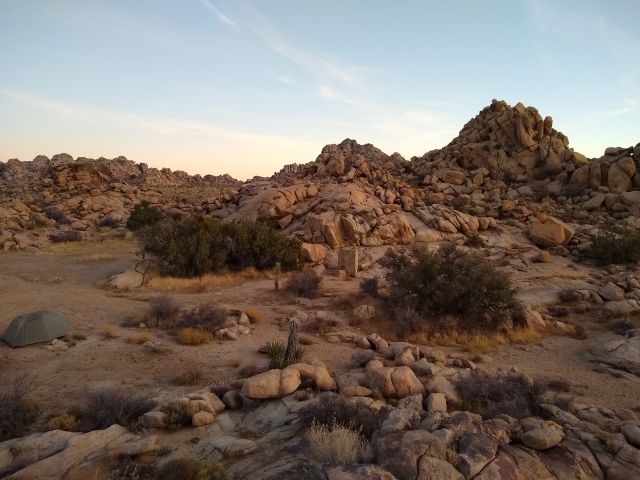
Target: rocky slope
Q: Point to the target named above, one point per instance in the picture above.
(508, 165)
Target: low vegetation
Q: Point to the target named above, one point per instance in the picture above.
(140, 338)
(616, 247)
(163, 311)
(370, 286)
(304, 284)
(336, 443)
(64, 236)
(177, 412)
(190, 247)
(66, 421)
(143, 215)
(106, 405)
(110, 331)
(194, 336)
(190, 375)
(276, 352)
(489, 395)
(329, 409)
(17, 409)
(203, 283)
(451, 288)
(206, 316)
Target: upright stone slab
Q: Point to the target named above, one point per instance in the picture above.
(348, 261)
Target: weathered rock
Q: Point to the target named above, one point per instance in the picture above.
(272, 384)
(550, 232)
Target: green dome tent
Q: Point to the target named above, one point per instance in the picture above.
(36, 327)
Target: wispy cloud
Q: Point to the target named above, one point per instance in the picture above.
(158, 126)
(219, 15)
(284, 79)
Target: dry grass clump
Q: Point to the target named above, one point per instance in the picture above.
(254, 315)
(140, 338)
(304, 284)
(66, 421)
(190, 375)
(206, 283)
(194, 336)
(442, 452)
(17, 409)
(362, 357)
(110, 331)
(99, 257)
(106, 405)
(336, 443)
(474, 342)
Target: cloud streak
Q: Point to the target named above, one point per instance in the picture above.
(218, 14)
(157, 126)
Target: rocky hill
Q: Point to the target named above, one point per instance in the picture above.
(508, 164)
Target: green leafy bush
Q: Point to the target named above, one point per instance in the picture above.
(448, 284)
(143, 214)
(616, 247)
(190, 247)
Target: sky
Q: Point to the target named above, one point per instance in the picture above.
(244, 87)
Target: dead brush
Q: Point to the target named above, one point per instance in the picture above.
(190, 375)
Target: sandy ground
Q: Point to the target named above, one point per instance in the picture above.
(65, 280)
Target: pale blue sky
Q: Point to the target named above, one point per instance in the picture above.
(244, 87)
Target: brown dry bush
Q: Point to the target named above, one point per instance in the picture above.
(254, 315)
(66, 236)
(330, 409)
(106, 405)
(370, 286)
(319, 324)
(490, 395)
(205, 316)
(190, 375)
(140, 338)
(163, 310)
(17, 409)
(304, 284)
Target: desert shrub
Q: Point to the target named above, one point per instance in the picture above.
(191, 247)
(544, 171)
(362, 357)
(319, 324)
(143, 215)
(205, 316)
(128, 468)
(488, 395)
(17, 409)
(106, 405)
(304, 284)
(474, 241)
(194, 336)
(276, 350)
(336, 443)
(330, 409)
(555, 384)
(110, 331)
(450, 282)
(190, 375)
(572, 190)
(38, 220)
(140, 338)
(621, 327)
(370, 286)
(163, 310)
(254, 315)
(108, 221)
(442, 452)
(616, 247)
(177, 412)
(55, 213)
(66, 236)
(66, 421)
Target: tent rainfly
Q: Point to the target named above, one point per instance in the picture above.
(36, 327)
